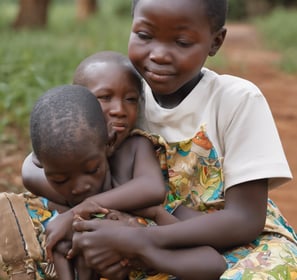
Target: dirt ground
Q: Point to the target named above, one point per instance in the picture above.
(247, 58)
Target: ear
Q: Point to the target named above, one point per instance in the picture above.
(218, 39)
(36, 161)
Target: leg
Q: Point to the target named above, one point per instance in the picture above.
(64, 268)
(84, 272)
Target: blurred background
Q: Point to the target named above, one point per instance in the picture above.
(42, 42)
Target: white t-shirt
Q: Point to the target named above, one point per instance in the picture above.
(238, 121)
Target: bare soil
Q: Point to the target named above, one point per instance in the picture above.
(246, 57)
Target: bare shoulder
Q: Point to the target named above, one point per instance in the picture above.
(136, 142)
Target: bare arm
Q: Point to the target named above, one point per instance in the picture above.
(239, 223)
(159, 215)
(143, 187)
(35, 181)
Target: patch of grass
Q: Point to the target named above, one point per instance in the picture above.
(218, 62)
(280, 33)
(32, 61)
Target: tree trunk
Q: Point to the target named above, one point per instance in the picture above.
(258, 7)
(32, 14)
(86, 8)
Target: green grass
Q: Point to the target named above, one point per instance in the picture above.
(279, 30)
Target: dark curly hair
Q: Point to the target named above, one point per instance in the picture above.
(64, 118)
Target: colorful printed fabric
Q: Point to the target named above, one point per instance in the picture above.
(195, 179)
(23, 238)
(270, 257)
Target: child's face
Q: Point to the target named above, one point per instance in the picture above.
(169, 42)
(118, 94)
(79, 173)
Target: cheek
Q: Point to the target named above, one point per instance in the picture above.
(132, 116)
(104, 107)
(64, 191)
(134, 51)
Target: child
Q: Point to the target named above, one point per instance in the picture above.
(60, 124)
(223, 156)
(118, 95)
(62, 121)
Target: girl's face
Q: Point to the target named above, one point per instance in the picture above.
(169, 42)
(78, 173)
(115, 87)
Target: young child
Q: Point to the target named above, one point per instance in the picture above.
(63, 120)
(223, 156)
(60, 128)
(118, 95)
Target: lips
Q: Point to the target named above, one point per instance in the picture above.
(159, 75)
(118, 126)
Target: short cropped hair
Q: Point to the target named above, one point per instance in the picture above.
(122, 61)
(216, 11)
(65, 117)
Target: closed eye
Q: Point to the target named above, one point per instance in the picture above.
(58, 182)
(184, 43)
(144, 35)
(92, 171)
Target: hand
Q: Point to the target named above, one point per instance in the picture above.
(89, 207)
(60, 228)
(88, 240)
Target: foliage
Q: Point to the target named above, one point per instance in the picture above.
(34, 61)
(241, 9)
(280, 33)
(236, 10)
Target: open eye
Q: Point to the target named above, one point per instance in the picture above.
(133, 100)
(104, 98)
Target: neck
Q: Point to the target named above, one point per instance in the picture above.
(173, 99)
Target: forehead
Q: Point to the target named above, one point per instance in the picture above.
(98, 68)
(181, 10)
(112, 76)
(78, 149)
(72, 139)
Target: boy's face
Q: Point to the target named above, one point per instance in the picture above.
(116, 90)
(78, 173)
(169, 42)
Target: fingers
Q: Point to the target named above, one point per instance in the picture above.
(86, 225)
(106, 261)
(116, 272)
(49, 249)
(75, 250)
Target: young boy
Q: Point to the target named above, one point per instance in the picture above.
(70, 141)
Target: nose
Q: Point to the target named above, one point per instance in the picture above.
(80, 189)
(160, 54)
(117, 108)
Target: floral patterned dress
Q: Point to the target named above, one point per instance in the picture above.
(196, 180)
